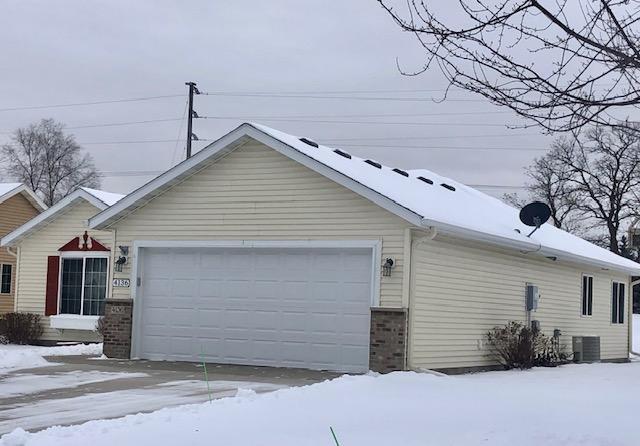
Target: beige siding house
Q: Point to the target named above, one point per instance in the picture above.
(60, 275)
(18, 204)
(267, 249)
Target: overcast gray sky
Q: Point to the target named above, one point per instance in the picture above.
(80, 51)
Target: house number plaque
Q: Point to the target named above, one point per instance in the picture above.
(121, 283)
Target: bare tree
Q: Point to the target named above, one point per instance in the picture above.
(592, 178)
(561, 64)
(49, 161)
(548, 181)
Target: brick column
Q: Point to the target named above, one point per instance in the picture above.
(387, 350)
(117, 328)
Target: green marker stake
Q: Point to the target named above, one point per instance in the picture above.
(334, 436)
(206, 377)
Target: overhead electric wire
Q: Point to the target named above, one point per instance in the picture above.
(318, 121)
(356, 98)
(117, 124)
(79, 104)
(133, 173)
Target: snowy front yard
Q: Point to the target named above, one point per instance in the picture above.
(576, 404)
(17, 357)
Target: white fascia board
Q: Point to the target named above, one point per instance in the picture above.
(31, 196)
(228, 143)
(525, 247)
(32, 225)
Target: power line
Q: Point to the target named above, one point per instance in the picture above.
(77, 104)
(373, 91)
(135, 173)
(389, 146)
(175, 149)
(117, 124)
(392, 138)
(356, 98)
(318, 121)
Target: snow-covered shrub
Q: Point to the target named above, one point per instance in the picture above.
(3, 340)
(21, 328)
(518, 346)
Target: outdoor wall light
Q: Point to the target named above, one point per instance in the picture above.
(122, 259)
(387, 266)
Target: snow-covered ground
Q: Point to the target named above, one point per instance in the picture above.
(16, 357)
(570, 405)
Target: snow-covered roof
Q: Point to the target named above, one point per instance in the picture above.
(420, 196)
(108, 198)
(100, 199)
(8, 190)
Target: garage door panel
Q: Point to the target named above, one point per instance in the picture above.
(279, 307)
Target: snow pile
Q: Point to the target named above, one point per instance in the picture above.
(15, 357)
(563, 406)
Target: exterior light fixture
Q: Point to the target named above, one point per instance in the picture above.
(387, 266)
(122, 259)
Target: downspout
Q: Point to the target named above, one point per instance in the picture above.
(429, 234)
(630, 306)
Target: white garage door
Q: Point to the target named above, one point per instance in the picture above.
(297, 307)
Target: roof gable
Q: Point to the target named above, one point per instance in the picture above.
(422, 197)
(8, 190)
(92, 196)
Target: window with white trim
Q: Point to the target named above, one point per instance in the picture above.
(5, 278)
(617, 303)
(587, 295)
(83, 285)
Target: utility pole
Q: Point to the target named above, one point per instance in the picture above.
(192, 114)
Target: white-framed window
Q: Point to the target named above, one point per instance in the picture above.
(83, 284)
(617, 303)
(587, 295)
(5, 278)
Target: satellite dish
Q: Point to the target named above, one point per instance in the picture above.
(535, 214)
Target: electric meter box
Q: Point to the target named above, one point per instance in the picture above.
(532, 296)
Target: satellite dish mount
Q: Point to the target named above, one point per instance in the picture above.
(535, 214)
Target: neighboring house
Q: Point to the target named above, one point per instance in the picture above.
(63, 267)
(18, 204)
(267, 249)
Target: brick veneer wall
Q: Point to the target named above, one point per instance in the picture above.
(387, 351)
(117, 328)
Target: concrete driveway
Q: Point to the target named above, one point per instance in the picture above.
(80, 388)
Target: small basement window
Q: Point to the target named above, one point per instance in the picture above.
(401, 172)
(341, 153)
(373, 163)
(5, 279)
(617, 303)
(587, 295)
(426, 180)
